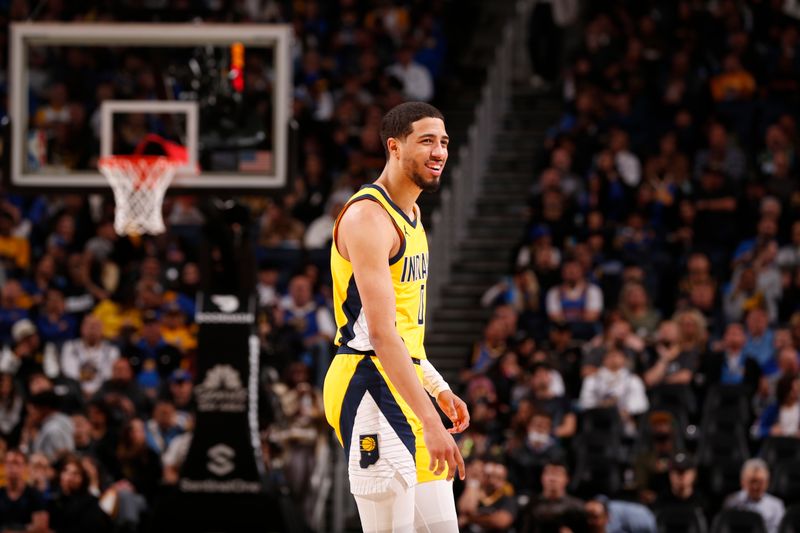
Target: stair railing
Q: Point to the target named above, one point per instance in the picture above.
(458, 196)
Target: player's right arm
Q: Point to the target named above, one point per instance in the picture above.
(367, 238)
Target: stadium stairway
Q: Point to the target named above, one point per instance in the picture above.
(494, 231)
(473, 27)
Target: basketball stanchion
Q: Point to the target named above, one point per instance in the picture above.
(139, 183)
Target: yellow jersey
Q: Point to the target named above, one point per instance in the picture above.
(409, 269)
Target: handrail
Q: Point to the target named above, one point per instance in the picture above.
(450, 220)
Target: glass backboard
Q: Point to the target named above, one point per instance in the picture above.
(220, 93)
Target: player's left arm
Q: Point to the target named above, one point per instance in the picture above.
(454, 407)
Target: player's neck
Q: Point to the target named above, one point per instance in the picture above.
(403, 192)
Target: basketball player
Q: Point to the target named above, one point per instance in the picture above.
(401, 459)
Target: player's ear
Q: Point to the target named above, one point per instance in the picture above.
(394, 147)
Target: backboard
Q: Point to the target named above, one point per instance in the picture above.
(221, 93)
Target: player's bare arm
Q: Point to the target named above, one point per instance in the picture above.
(367, 238)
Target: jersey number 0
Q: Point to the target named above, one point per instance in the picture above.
(421, 314)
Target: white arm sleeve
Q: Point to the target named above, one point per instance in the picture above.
(432, 380)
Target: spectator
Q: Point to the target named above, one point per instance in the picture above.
(44, 276)
(553, 508)
(789, 254)
(415, 79)
(12, 410)
(22, 507)
(615, 386)
(53, 431)
(15, 254)
(529, 452)
(682, 479)
(721, 154)
(575, 301)
(122, 389)
(13, 308)
(487, 504)
(163, 427)
(26, 356)
(54, 324)
(90, 358)
(181, 392)
(312, 321)
(84, 444)
(152, 358)
(618, 517)
(743, 294)
(318, 234)
(487, 351)
(136, 462)
(733, 83)
(754, 497)
(673, 364)
(651, 465)
(715, 222)
(521, 291)
(782, 418)
(42, 475)
(300, 433)
(174, 329)
(75, 510)
(545, 398)
(636, 309)
(760, 340)
(732, 365)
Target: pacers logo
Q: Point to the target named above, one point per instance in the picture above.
(368, 445)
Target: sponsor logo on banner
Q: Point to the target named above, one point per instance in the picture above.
(227, 305)
(221, 462)
(220, 459)
(221, 391)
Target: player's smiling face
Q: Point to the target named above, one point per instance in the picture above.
(423, 154)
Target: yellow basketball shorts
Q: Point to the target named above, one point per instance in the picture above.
(381, 435)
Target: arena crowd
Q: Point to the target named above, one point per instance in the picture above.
(642, 354)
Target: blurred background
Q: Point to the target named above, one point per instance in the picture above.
(615, 274)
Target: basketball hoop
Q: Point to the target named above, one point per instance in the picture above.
(139, 183)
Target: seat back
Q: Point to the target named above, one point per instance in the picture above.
(672, 398)
(738, 521)
(681, 519)
(790, 523)
(785, 481)
(722, 400)
(776, 450)
(601, 420)
(716, 446)
(595, 475)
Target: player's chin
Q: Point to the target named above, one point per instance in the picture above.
(431, 184)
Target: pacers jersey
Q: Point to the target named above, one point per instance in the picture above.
(409, 269)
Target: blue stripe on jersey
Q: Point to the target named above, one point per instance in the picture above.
(367, 379)
(391, 203)
(351, 307)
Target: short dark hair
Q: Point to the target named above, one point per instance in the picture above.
(398, 122)
(556, 461)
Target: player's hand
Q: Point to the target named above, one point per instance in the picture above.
(443, 451)
(455, 409)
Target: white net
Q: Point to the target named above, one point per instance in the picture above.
(139, 184)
